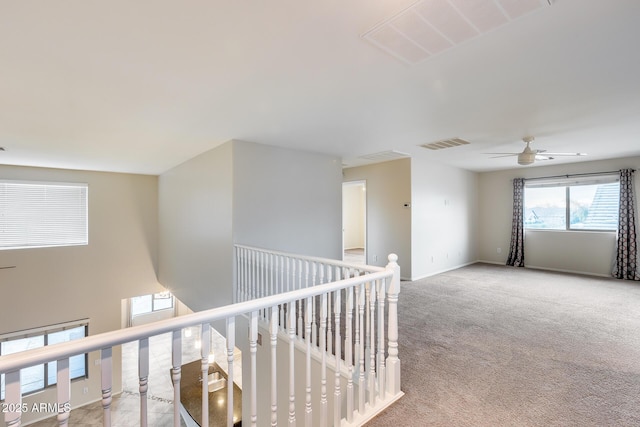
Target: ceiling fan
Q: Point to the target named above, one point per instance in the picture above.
(528, 156)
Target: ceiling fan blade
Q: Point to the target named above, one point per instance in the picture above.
(565, 154)
(502, 155)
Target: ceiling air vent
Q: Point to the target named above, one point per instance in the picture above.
(429, 27)
(445, 143)
(385, 155)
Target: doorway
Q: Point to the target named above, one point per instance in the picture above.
(354, 222)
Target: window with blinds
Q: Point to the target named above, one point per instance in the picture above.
(36, 214)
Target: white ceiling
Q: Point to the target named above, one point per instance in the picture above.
(141, 86)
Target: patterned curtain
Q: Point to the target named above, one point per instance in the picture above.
(625, 266)
(516, 249)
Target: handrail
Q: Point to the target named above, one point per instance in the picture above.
(363, 267)
(13, 362)
(372, 381)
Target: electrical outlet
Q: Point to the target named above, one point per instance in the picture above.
(259, 338)
(499, 250)
(375, 258)
(85, 390)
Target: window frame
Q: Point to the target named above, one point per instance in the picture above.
(568, 182)
(45, 332)
(154, 297)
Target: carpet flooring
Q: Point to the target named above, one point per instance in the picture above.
(489, 345)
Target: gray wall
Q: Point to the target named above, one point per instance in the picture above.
(583, 252)
(245, 193)
(287, 200)
(195, 205)
(54, 285)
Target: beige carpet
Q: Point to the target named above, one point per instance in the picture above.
(488, 345)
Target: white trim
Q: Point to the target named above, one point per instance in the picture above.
(42, 330)
(434, 273)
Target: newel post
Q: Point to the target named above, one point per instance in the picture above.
(393, 362)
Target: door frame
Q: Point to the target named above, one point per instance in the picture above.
(363, 184)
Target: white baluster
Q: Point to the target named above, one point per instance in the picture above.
(372, 345)
(289, 275)
(348, 351)
(279, 275)
(247, 274)
(245, 293)
(309, 337)
(272, 272)
(292, 372)
(329, 348)
(143, 377)
(254, 274)
(283, 289)
(323, 346)
(307, 279)
(294, 286)
(176, 373)
(356, 340)
(367, 326)
(381, 344)
(337, 397)
(13, 399)
(260, 270)
(307, 333)
(393, 362)
(361, 365)
(314, 327)
(251, 276)
(238, 275)
(205, 344)
(231, 343)
(105, 364)
(273, 332)
(299, 303)
(64, 391)
(253, 349)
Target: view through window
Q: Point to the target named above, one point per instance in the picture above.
(149, 303)
(38, 377)
(587, 204)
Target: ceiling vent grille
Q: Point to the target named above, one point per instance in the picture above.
(384, 156)
(429, 27)
(445, 143)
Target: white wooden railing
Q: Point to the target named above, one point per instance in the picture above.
(348, 322)
(267, 293)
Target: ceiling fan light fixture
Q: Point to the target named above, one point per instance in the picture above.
(526, 158)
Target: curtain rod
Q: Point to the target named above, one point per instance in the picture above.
(575, 174)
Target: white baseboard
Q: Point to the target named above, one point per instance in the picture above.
(433, 273)
(558, 270)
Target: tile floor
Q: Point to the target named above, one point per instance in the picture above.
(125, 409)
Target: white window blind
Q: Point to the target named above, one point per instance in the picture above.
(35, 214)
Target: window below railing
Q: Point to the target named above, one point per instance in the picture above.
(39, 377)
